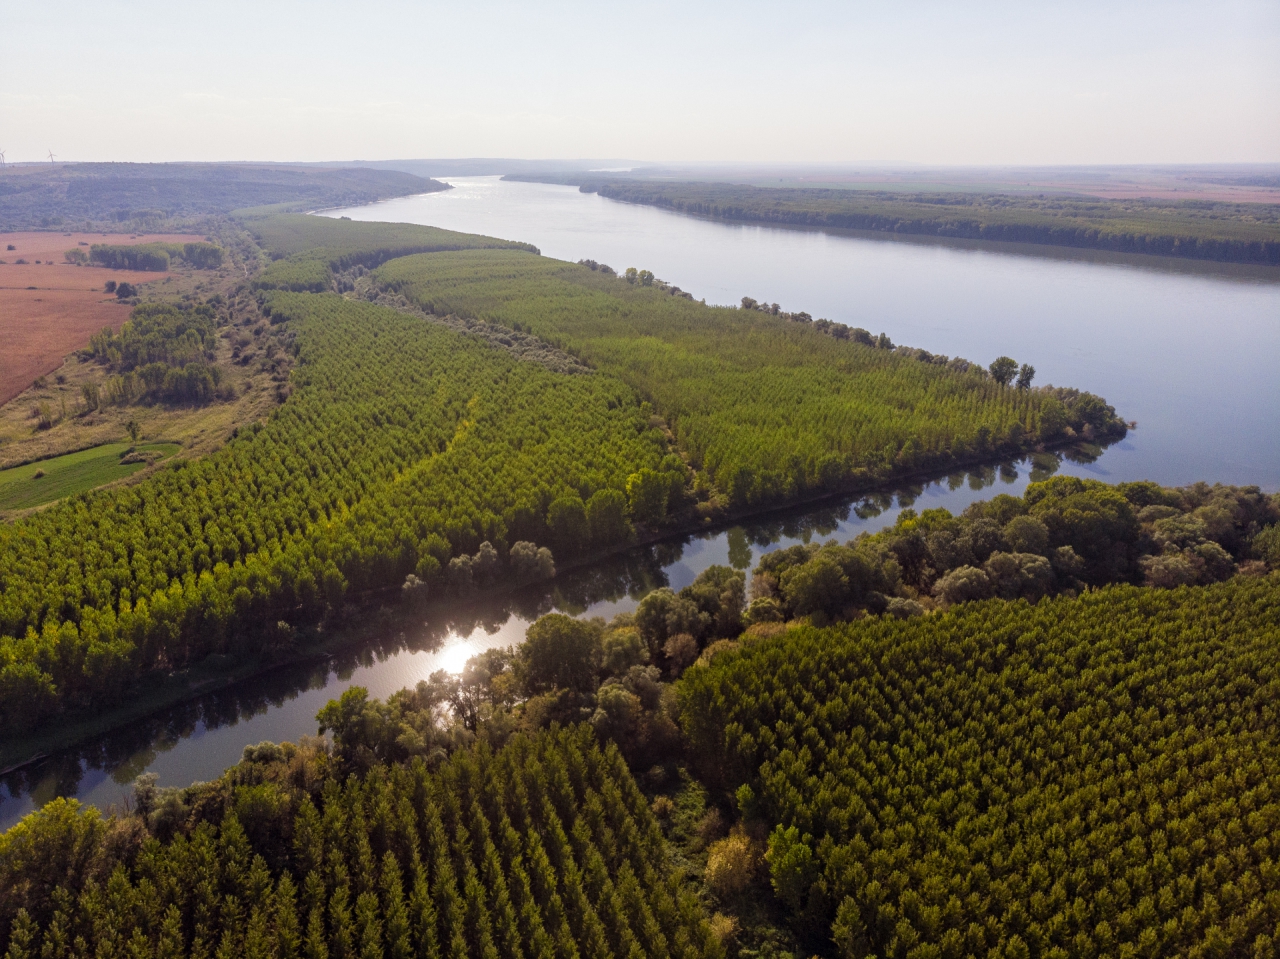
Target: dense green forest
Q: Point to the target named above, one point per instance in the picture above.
(1080, 777)
(1063, 535)
(406, 445)
(1197, 229)
(769, 410)
(1045, 727)
(403, 448)
(545, 848)
(1003, 776)
(146, 195)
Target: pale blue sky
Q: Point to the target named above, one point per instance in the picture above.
(934, 83)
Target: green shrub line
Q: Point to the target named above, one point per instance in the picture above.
(155, 257)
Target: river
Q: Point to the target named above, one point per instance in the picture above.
(1187, 350)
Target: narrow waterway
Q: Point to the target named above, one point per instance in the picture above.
(1188, 352)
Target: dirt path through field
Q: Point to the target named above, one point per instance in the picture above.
(49, 307)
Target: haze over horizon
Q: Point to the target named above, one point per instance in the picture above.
(808, 83)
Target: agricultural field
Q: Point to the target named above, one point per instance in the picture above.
(22, 487)
(50, 307)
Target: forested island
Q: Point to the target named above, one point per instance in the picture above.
(1191, 229)
(1045, 727)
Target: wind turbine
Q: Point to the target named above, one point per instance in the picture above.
(3, 164)
(51, 158)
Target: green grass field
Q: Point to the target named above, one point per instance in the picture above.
(35, 484)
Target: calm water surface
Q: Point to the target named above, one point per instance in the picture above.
(1189, 355)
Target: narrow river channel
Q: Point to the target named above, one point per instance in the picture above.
(1189, 351)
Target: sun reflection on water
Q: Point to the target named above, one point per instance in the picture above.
(454, 654)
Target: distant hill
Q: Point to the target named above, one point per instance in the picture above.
(145, 194)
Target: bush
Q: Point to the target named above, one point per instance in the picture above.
(963, 585)
(731, 864)
(680, 650)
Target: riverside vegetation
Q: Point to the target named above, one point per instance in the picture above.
(768, 408)
(1008, 749)
(1194, 229)
(997, 776)
(406, 447)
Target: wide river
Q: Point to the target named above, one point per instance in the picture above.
(1189, 351)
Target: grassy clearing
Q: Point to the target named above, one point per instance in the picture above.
(22, 487)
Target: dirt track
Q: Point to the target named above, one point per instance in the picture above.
(40, 326)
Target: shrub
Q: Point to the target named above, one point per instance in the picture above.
(731, 864)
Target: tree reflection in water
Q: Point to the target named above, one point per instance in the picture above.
(385, 632)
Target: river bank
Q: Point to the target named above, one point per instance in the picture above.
(350, 628)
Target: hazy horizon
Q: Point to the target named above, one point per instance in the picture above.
(812, 83)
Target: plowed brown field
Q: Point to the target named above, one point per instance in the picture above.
(50, 308)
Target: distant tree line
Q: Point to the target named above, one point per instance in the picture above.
(1230, 232)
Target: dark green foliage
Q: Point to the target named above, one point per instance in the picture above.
(560, 653)
(1207, 230)
(164, 352)
(544, 848)
(1003, 369)
(1084, 776)
(403, 446)
(1062, 535)
(159, 333)
(153, 257)
(771, 409)
(707, 609)
(202, 256)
